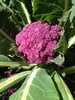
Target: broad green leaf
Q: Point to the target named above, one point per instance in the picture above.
(8, 9)
(13, 65)
(28, 66)
(11, 81)
(70, 33)
(73, 2)
(9, 21)
(72, 15)
(71, 41)
(58, 60)
(5, 6)
(64, 92)
(4, 58)
(4, 47)
(47, 10)
(9, 64)
(61, 47)
(23, 12)
(37, 86)
(64, 18)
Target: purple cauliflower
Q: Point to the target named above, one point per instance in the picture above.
(37, 40)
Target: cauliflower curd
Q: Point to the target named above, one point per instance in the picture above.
(37, 40)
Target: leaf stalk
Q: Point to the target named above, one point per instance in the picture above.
(8, 37)
(26, 12)
(68, 71)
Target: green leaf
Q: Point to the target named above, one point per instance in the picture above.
(71, 41)
(9, 21)
(73, 2)
(4, 58)
(23, 12)
(70, 33)
(62, 88)
(4, 47)
(11, 81)
(28, 66)
(13, 65)
(37, 86)
(9, 64)
(5, 6)
(8, 9)
(64, 18)
(61, 47)
(72, 15)
(58, 60)
(1, 8)
(47, 10)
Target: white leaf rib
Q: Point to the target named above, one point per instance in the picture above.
(25, 92)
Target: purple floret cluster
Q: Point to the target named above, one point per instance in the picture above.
(37, 40)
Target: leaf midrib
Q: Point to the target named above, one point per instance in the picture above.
(25, 92)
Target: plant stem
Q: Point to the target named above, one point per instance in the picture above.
(69, 70)
(66, 7)
(9, 38)
(65, 12)
(26, 12)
